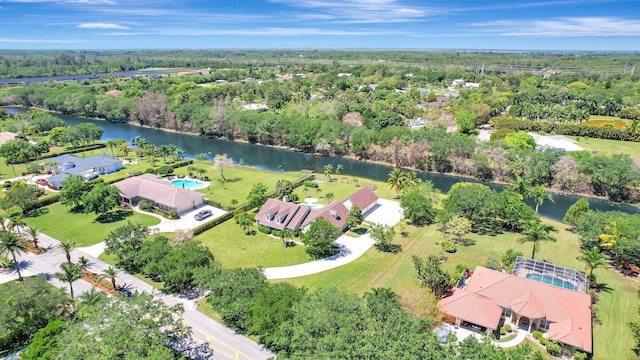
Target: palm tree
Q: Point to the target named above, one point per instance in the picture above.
(539, 193)
(31, 233)
(592, 260)
(411, 179)
(520, 186)
(611, 239)
(10, 244)
(329, 196)
(111, 273)
(66, 247)
(15, 222)
(396, 180)
(83, 262)
(92, 296)
(537, 232)
(69, 274)
(164, 151)
(111, 144)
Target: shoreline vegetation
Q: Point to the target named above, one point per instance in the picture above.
(352, 157)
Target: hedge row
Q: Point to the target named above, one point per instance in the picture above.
(608, 133)
(70, 151)
(44, 202)
(204, 227)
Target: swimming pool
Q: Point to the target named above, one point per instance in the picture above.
(551, 281)
(188, 184)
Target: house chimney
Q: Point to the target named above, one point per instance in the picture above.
(334, 213)
(285, 198)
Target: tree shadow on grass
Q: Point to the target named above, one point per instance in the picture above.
(114, 216)
(466, 242)
(38, 212)
(360, 230)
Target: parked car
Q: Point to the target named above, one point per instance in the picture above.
(203, 214)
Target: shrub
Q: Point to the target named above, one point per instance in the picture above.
(264, 229)
(537, 334)
(553, 348)
(448, 246)
(7, 184)
(502, 331)
(165, 170)
(579, 355)
(310, 183)
(150, 171)
(144, 205)
(507, 327)
(211, 224)
(543, 341)
(134, 173)
(33, 168)
(277, 233)
(173, 214)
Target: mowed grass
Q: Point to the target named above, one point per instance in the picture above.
(608, 147)
(341, 186)
(57, 221)
(240, 180)
(374, 269)
(233, 249)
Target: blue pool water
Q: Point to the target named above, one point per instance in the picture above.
(187, 184)
(552, 281)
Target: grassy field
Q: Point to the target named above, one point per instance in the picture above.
(234, 249)
(374, 269)
(342, 186)
(55, 220)
(240, 179)
(608, 147)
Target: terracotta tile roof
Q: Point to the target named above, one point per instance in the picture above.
(150, 187)
(568, 311)
(279, 215)
(473, 308)
(363, 198)
(336, 213)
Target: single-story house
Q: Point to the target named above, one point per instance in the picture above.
(281, 214)
(471, 85)
(90, 167)
(161, 193)
(555, 142)
(364, 198)
(490, 298)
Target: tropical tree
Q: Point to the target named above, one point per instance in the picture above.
(329, 196)
(164, 151)
(328, 169)
(396, 180)
(539, 193)
(65, 247)
(10, 244)
(31, 233)
(69, 274)
(111, 273)
(83, 262)
(222, 161)
(611, 240)
(354, 218)
(520, 186)
(536, 232)
(111, 145)
(592, 260)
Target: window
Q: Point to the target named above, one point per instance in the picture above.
(544, 324)
(506, 312)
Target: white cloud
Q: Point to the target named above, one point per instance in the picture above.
(10, 40)
(563, 27)
(102, 26)
(274, 31)
(88, 2)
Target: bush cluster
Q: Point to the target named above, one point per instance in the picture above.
(609, 133)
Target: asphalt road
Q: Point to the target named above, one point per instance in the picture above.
(224, 341)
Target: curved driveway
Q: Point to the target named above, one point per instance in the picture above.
(387, 212)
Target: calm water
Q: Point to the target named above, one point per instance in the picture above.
(270, 158)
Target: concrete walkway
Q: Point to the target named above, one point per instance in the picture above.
(224, 341)
(387, 212)
(520, 336)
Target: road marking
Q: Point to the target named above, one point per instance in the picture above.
(211, 339)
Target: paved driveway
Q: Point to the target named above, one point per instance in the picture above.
(186, 221)
(387, 212)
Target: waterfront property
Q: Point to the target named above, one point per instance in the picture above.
(490, 298)
(90, 167)
(281, 214)
(159, 192)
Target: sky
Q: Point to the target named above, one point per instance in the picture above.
(321, 24)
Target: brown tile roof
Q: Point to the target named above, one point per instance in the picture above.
(568, 311)
(336, 213)
(279, 215)
(363, 198)
(149, 186)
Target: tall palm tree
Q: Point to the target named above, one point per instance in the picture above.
(111, 273)
(537, 232)
(610, 240)
(592, 260)
(539, 193)
(66, 247)
(111, 144)
(69, 274)
(31, 233)
(164, 151)
(397, 180)
(10, 244)
(520, 186)
(15, 223)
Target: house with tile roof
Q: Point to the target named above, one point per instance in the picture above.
(491, 298)
(281, 214)
(159, 192)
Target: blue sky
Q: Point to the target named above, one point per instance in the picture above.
(393, 24)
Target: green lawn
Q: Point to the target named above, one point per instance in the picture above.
(240, 179)
(342, 186)
(608, 147)
(57, 221)
(234, 249)
(611, 339)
